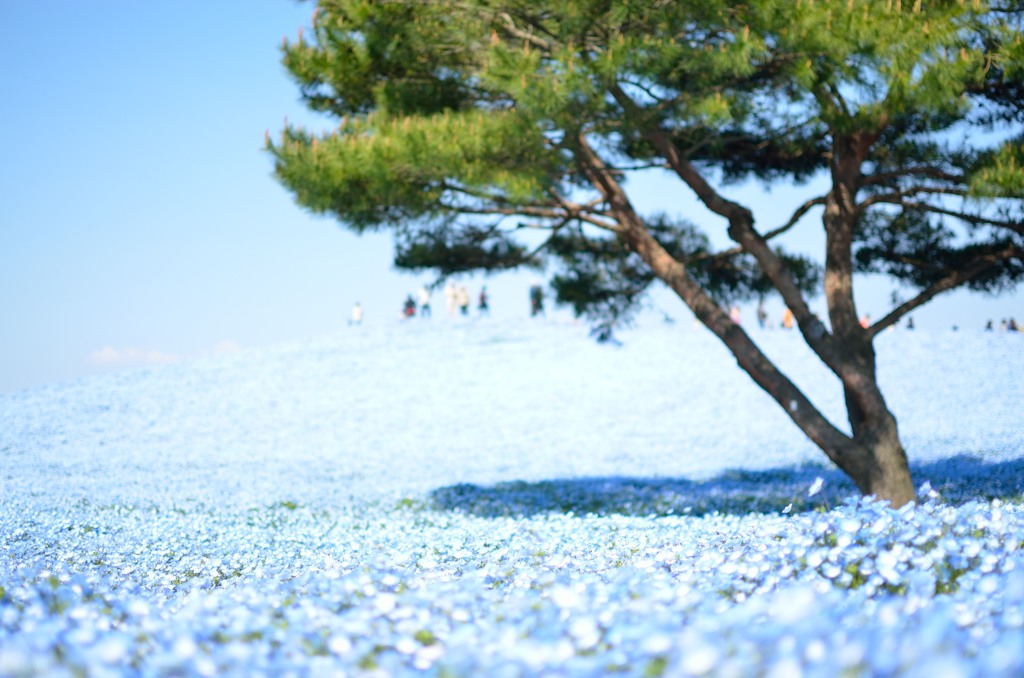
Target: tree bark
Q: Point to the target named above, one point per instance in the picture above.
(880, 467)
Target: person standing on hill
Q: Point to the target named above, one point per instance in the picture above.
(762, 315)
(424, 295)
(536, 299)
(409, 307)
(483, 308)
(450, 295)
(787, 319)
(735, 315)
(462, 295)
(357, 315)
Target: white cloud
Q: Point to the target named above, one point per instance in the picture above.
(226, 346)
(108, 355)
(133, 357)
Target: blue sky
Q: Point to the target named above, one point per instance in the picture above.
(140, 222)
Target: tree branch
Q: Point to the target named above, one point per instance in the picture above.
(804, 414)
(898, 196)
(532, 212)
(619, 169)
(510, 25)
(976, 219)
(885, 177)
(741, 229)
(797, 215)
(647, 90)
(954, 279)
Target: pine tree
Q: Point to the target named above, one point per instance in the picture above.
(460, 123)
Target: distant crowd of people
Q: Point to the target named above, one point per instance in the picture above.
(1005, 325)
(788, 320)
(457, 302)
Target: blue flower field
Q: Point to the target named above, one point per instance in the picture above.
(497, 498)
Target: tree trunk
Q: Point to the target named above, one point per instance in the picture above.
(878, 465)
(876, 461)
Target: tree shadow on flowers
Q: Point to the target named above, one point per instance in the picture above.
(733, 491)
(781, 490)
(968, 477)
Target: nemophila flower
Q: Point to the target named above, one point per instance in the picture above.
(285, 549)
(815, 487)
